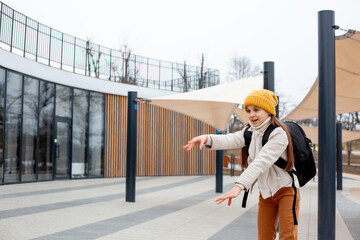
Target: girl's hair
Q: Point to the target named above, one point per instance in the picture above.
(290, 154)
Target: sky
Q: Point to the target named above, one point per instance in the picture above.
(282, 31)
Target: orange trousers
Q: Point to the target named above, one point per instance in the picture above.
(278, 209)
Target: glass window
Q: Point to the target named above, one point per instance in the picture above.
(29, 130)
(2, 103)
(80, 128)
(46, 130)
(96, 135)
(63, 101)
(13, 123)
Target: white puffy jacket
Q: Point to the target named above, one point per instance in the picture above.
(261, 159)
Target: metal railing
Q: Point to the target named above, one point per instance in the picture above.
(26, 37)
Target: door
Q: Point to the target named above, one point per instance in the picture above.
(62, 148)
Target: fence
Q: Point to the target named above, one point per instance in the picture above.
(24, 36)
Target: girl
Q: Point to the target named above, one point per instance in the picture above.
(275, 184)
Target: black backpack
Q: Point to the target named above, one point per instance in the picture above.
(304, 159)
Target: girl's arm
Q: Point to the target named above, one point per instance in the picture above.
(199, 140)
(215, 142)
(228, 141)
(233, 193)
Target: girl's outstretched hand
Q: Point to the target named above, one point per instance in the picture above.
(233, 193)
(199, 140)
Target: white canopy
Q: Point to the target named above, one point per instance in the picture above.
(241, 115)
(347, 136)
(347, 63)
(311, 132)
(213, 105)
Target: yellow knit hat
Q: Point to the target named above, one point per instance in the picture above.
(262, 98)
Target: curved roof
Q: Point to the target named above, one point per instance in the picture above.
(241, 114)
(213, 105)
(347, 136)
(347, 74)
(31, 68)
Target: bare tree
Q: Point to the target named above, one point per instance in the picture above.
(242, 67)
(121, 70)
(183, 73)
(93, 60)
(126, 58)
(349, 121)
(200, 77)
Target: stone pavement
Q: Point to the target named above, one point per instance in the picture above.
(172, 207)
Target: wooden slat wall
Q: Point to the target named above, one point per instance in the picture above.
(115, 135)
(161, 133)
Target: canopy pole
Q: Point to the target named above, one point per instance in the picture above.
(269, 80)
(131, 147)
(339, 155)
(219, 169)
(327, 143)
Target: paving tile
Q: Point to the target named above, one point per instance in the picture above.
(176, 207)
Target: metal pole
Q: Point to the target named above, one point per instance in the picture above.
(172, 76)
(12, 30)
(131, 147)
(62, 49)
(147, 72)
(26, 19)
(269, 82)
(110, 64)
(135, 70)
(75, 55)
(277, 107)
(98, 62)
(159, 73)
(339, 155)
(37, 42)
(50, 47)
(219, 169)
(327, 145)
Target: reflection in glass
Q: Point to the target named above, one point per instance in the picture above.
(46, 129)
(13, 122)
(96, 135)
(2, 99)
(80, 124)
(63, 101)
(29, 132)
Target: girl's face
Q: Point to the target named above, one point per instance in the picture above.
(256, 115)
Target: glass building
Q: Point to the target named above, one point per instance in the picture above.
(63, 107)
(49, 131)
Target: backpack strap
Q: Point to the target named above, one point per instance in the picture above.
(248, 134)
(281, 163)
(246, 193)
(247, 137)
(294, 201)
(267, 133)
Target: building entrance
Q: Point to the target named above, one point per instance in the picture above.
(62, 144)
